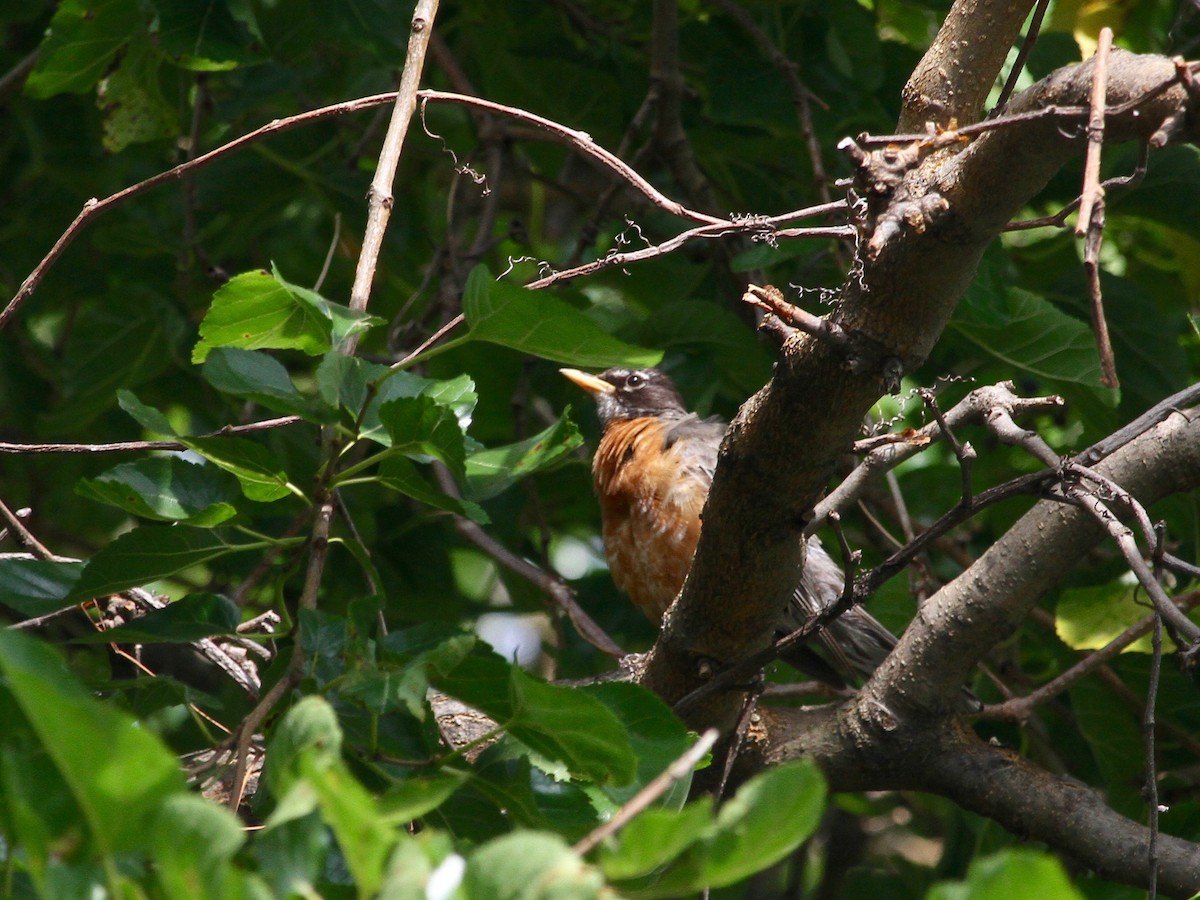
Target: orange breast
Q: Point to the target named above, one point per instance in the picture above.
(650, 504)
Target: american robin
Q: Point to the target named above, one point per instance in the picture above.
(652, 472)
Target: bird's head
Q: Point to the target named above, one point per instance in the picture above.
(629, 393)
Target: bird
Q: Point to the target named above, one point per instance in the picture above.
(652, 472)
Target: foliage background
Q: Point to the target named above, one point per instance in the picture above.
(121, 90)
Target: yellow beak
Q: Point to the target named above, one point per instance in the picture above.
(590, 383)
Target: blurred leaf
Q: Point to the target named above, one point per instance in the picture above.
(117, 772)
(194, 842)
(1113, 735)
(189, 618)
(418, 796)
(310, 725)
(261, 476)
(539, 324)
(165, 489)
(1029, 873)
(654, 838)
(37, 587)
(1090, 618)
(768, 818)
(489, 472)
(529, 865)
(125, 340)
(255, 311)
(83, 39)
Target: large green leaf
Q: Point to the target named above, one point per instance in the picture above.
(255, 311)
(1029, 334)
(536, 323)
(134, 105)
(1089, 618)
(654, 838)
(148, 553)
(116, 772)
(343, 321)
(166, 489)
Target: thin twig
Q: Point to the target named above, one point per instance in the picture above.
(379, 197)
(94, 207)
(1091, 209)
(1031, 36)
(676, 771)
(132, 446)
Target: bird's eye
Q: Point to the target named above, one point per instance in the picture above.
(635, 380)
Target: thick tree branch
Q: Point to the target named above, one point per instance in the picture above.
(954, 77)
(782, 446)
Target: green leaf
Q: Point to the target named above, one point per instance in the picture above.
(255, 311)
(560, 723)
(655, 838)
(83, 39)
(1090, 618)
(401, 475)
(422, 429)
(135, 110)
(37, 587)
(255, 376)
(166, 489)
(189, 618)
(1031, 873)
(344, 322)
(1030, 334)
(261, 475)
(115, 771)
(536, 323)
(348, 808)
(489, 472)
(657, 737)
(343, 381)
(528, 865)
(765, 821)
(194, 842)
(304, 765)
(146, 416)
(310, 725)
(147, 553)
(1114, 736)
